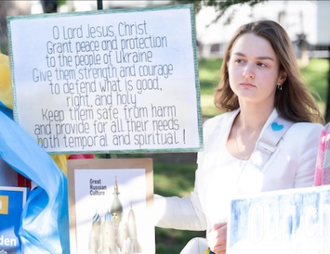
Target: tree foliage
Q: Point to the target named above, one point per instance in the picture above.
(221, 6)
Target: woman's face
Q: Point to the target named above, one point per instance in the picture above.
(253, 69)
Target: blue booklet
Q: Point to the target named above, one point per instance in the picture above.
(12, 201)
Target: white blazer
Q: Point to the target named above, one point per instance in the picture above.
(292, 165)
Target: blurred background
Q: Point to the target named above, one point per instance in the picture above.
(307, 23)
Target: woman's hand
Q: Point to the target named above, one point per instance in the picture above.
(217, 238)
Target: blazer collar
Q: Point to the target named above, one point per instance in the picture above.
(229, 118)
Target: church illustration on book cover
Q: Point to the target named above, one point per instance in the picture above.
(114, 233)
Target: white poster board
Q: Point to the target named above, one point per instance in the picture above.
(295, 221)
(111, 80)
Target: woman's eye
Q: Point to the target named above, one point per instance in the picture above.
(261, 64)
(239, 61)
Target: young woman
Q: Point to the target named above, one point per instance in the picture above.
(261, 94)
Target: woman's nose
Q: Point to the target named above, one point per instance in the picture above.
(248, 71)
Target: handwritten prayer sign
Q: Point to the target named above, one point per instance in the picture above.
(293, 221)
(120, 81)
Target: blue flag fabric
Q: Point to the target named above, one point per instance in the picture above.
(45, 223)
(6, 110)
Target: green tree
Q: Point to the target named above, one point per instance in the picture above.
(222, 7)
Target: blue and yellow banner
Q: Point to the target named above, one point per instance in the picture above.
(44, 225)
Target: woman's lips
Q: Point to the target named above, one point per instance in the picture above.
(246, 85)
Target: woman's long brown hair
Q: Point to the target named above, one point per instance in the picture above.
(295, 101)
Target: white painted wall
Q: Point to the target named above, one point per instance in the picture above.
(301, 16)
(323, 22)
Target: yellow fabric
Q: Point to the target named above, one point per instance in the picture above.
(207, 251)
(6, 93)
(6, 97)
(61, 161)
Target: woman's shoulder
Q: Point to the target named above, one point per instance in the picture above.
(219, 120)
(305, 130)
(307, 127)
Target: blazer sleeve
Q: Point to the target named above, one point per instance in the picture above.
(184, 213)
(179, 213)
(307, 141)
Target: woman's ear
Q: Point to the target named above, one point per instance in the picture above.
(281, 78)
